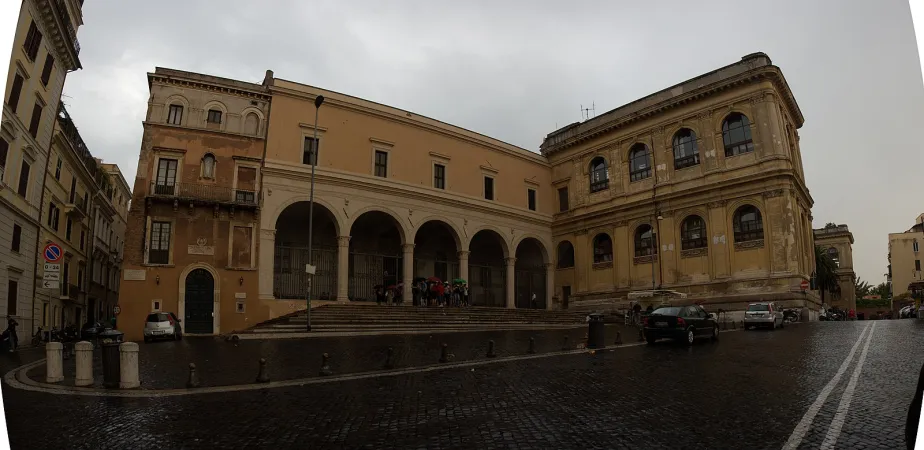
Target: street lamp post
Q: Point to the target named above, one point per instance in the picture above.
(313, 154)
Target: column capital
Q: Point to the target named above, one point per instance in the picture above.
(463, 254)
(407, 247)
(510, 261)
(343, 241)
(549, 266)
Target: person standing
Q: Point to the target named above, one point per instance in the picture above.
(11, 325)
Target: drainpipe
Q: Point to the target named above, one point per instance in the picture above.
(38, 233)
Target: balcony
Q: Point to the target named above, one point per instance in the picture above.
(831, 230)
(204, 194)
(76, 210)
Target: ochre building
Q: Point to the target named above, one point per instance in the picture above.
(837, 242)
(697, 189)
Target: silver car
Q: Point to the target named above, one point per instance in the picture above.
(162, 325)
(763, 314)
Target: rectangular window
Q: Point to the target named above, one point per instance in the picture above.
(33, 41)
(159, 252)
(46, 71)
(246, 192)
(439, 176)
(65, 278)
(175, 115)
(311, 151)
(381, 164)
(17, 238)
(73, 190)
(36, 119)
(917, 265)
(915, 246)
(531, 199)
(214, 116)
(166, 177)
(58, 170)
(23, 179)
(53, 216)
(12, 297)
(82, 237)
(563, 199)
(4, 149)
(80, 277)
(488, 188)
(241, 247)
(67, 229)
(13, 101)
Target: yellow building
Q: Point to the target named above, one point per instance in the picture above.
(837, 243)
(905, 263)
(45, 49)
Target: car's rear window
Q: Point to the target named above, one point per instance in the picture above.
(758, 307)
(158, 317)
(668, 311)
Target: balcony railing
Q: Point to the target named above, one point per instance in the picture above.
(204, 193)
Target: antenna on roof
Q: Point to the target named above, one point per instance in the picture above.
(587, 113)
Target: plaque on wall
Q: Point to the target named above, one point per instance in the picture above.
(200, 248)
(134, 274)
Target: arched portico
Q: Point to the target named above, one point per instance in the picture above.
(532, 276)
(489, 270)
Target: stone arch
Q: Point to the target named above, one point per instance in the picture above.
(454, 230)
(215, 104)
(402, 226)
(564, 261)
(504, 241)
(436, 249)
(260, 120)
(270, 220)
(287, 253)
(530, 272)
(173, 100)
(181, 298)
(733, 208)
(544, 246)
(719, 119)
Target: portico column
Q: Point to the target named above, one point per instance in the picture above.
(408, 276)
(549, 284)
(343, 268)
(511, 274)
(463, 265)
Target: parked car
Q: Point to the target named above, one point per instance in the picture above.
(681, 323)
(92, 329)
(763, 315)
(162, 325)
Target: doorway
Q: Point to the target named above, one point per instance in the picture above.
(199, 302)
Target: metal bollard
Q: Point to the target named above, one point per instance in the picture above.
(444, 354)
(84, 364)
(491, 353)
(193, 381)
(325, 365)
(263, 375)
(128, 366)
(564, 343)
(390, 358)
(54, 363)
(532, 346)
(618, 338)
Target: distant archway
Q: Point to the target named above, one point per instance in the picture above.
(530, 285)
(375, 254)
(487, 270)
(291, 253)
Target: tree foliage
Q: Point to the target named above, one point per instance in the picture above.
(825, 274)
(882, 290)
(862, 288)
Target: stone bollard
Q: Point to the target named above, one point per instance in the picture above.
(325, 366)
(128, 366)
(444, 354)
(641, 335)
(564, 343)
(193, 381)
(54, 362)
(734, 326)
(263, 375)
(84, 364)
(390, 358)
(532, 346)
(491, 353)
(618, 338)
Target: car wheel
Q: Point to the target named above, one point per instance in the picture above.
(715, 332)
(147, 340)
(691, 336)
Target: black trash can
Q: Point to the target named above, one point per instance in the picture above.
(109, 343)
(861, 316)
(596, 333)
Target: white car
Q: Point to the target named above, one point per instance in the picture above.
(763, 314)
(162, 325)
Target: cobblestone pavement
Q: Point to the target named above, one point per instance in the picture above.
(749, 390)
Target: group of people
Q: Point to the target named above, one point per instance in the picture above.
(426, 292)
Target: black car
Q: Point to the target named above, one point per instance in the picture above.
(92, 329)
(681, 323)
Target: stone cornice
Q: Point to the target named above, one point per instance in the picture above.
(204, 130)
(178, 80)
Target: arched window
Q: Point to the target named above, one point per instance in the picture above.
(565, 255)
(835, 257)
(693, 233)
(599, 177)
(603, 249)
(251, 123)
(208, 166)
(748, 224)
(736, 133)
(639, 162)
(686, 154)
(645, 244)
(175, 114)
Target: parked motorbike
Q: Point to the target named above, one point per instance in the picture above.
(792, 314)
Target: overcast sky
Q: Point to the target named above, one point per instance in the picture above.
(515, 70)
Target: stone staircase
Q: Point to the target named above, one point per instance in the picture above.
(373, 319)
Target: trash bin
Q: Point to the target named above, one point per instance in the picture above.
(861, 316)
(596, 333)
(109, 343)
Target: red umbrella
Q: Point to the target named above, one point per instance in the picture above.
(392, 287)
(434, 279)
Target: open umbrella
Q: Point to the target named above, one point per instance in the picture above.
(392, 287)
(434, 280)
(459, 281)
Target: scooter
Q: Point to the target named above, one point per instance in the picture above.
(791, 315)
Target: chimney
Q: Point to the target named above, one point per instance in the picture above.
(268, 79)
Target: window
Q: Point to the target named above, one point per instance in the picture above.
(917, 265)
(73, 191)
(166, 177)
(736, 134)
(251, 124)
(639, 162)
(565, 255)
(36, 119)
(693, 233)
(33, 41)
(23, 179)
(563, 199)
(488, 188)
(58, 169)
(747, 224)
(67, 229)
(603, 249)
(599, 177)
(208, 166)
(17, 238)
(914, 245)
(214, 116)
(645, 244)
(12, 297)
(53, 216)
(531, 199)
(381, 164)
(311, 151)
(686, 153)
(65, 278)
(175, 115)
(80, 278)
(82, 238)
(46, 71)
(159, 252)
(4, 149)
(13, 101)
(835, 257)
(439, 176)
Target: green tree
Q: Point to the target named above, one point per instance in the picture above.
(825, 276)
(882, 290)
(862, 288)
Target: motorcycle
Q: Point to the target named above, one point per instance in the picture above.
(791, 315)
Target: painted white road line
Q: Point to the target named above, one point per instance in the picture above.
(838, 422)
(803, 426)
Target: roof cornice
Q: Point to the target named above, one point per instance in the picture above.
(179, 80)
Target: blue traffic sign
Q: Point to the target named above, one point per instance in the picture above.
(52, 253)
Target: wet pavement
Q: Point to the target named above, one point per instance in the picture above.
(749, 390)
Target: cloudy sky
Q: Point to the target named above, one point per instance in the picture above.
(515, 70)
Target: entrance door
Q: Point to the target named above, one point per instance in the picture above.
(200, 305)
(565, 296)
